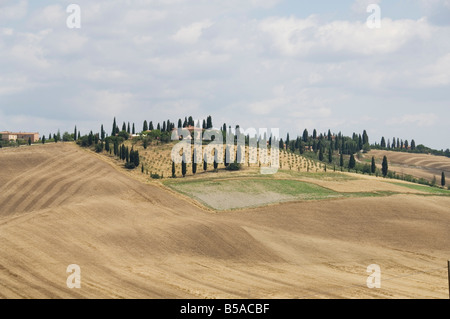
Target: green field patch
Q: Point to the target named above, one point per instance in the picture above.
(324, 176)
(240, 193)
(427, 189)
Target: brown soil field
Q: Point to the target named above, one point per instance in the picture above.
(418, 165)
(62, 205)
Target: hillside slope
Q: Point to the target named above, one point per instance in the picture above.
(61, 205)
(418, 165)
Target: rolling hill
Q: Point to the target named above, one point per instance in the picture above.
(63, 205)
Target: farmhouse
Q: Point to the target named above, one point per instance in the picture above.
(11, 136)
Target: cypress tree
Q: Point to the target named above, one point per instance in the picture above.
(305, 135)
(330, 155)
(341, 161)
(373, 167)
(90, 138)
(79, 135)
(216, 164)
(205, 163)
(133, 131)
(209, 122)
(113, 131)
(413, 145)
(107, 145)
(365, 138)
(75, 133)
(124, 127)
(281, 144)
(43, 139)
(173, 170)
(194, 161)
(314, 134)
(128, 128)
(320, 154)
(383, 142)
(29, 140)
(443, 179)
(227, 156)
(158, 127)
(385, 166)
(183, 165)
(352, 162)
(136, 158)
(131, 156)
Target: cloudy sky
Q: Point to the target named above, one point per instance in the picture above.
(257, 63)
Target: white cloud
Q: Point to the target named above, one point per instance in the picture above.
(436, 74)
(97, 102)
(360, 6)
(437, 11)
(143, 17)
(309, 37)
(420, 120)
(14, 11)
(14, 84)
(190, 34)
(231, 59)
(266, 4)
(52, 16)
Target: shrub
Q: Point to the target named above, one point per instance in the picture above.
(130, 165)
(99, 147)
(155, 176)
(233, 166)
(124, 135)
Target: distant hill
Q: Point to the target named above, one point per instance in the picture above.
(417, 165)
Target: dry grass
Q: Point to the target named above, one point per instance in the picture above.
(157, 160)
(61, 205)
(417, 165)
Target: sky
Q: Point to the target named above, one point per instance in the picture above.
(258, 63)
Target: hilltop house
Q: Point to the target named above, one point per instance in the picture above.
(11, 136)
